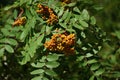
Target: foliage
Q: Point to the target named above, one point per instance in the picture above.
(56, 40)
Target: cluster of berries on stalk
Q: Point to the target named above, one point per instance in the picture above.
(61, 43)
(47, 14)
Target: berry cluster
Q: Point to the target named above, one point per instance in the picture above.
(19, 21)
(47, 14)
(61, 43)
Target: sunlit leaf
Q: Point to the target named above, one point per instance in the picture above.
(38, 71)
(52, 64)
(85, 15)
(52, 57)
(78, 27)
(37, 78)
(38, 64)
(76, 9)
(91, 61)
(84, 24)
(71, 4)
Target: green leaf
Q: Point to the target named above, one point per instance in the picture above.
(37, 78)
(38, 65)
(50, 72)
(48, 30)
(79, 42)
(52, 64)
(84, 48)
(84, 63)
(91, 61)
(89, 55)
(117, 34)
(52, 57)
(98, 7)
(51, 2)
(9, 49)
(85, 15)
(38, 71)
(99, 72)
(40, 38)
(12, 6)
(33, 12)
(61, 11)
(37, 39)
(80, 58)
(99, 78)
(95, 66)
(65, 14)
(28, 14)
(83, 23)
(2, 52)
(12, 42)
(25, 59)
(92, 20)
(15, 14)
(24, 34)
(78, 27)
(68, 17)
(9, 21)
(23, 2)
(9, 41)
(70, 30)
(63, 25)
(95, 51)
(83, 35)
(92, 78)
(5, 32)
(116, 74)
(43, 59)
(44, 78)
(72, 4)
(76, 9)
(30, 24)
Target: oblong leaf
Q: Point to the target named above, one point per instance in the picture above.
(2, 52)
(37, 78)
(9, 48)
(52, 64)
(52, 57)
(99, 72)
(94, 66)
(91, 61)
(38, 71)
(38, 65)
(85, 15)
(92, 20)
(83, 23)
(50, 72)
